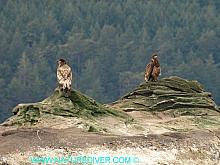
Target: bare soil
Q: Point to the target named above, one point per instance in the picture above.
(157, 134)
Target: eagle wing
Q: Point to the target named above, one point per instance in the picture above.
(156, 71)
(148, 71)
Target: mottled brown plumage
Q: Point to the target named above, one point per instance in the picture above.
(156, 70)
(64, 76)
(148, 70)
(152, 70)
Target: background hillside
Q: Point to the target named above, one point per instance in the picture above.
(107, 43)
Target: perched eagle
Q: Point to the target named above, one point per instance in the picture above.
(64, 76)
(152, 70)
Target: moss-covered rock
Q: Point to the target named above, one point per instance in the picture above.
(171, 94)
(76, 105)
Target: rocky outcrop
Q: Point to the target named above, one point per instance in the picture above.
(62, 126)
(77, 105)
(173, 94)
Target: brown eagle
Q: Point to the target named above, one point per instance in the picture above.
(64, 76)
(152, 70)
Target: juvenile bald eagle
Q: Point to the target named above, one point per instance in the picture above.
(152, 70)
(64, 76)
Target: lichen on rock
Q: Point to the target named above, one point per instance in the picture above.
(173, 94)
(76, 105)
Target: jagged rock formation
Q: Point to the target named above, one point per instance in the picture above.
(77, 105)
(173, 94)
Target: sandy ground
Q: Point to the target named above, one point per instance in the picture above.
(152, 139)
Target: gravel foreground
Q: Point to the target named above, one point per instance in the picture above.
(142, 156)
(198, 148)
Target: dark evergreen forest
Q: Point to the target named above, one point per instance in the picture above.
(107, 43)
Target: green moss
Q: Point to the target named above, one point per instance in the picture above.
(77, 105)
(207, 121)
(172, 93)
(32, 115)
(190, 112)
(92, 129)
(196, 86)
(163, 105)
(27, 113)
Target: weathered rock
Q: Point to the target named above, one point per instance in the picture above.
(77, 105)
(184, 97)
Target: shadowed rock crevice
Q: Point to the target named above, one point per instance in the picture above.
(170, 93)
